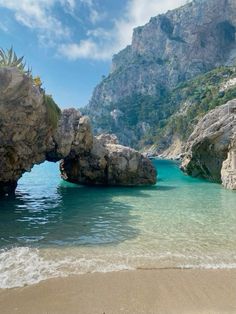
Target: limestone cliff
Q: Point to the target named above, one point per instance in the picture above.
(228, 171)
(32, 130)
(210, 149)
(24, 132)
(170, 49)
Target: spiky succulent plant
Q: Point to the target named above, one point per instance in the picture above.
(9, 58)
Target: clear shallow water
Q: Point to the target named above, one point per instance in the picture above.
(53, 228)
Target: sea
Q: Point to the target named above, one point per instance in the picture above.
(52, 228)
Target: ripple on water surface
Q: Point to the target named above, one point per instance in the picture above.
(52, 228)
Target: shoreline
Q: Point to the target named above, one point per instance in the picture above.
(135, 292)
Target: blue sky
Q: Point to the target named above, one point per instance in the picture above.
(70, 43)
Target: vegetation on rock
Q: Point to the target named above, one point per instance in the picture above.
(196, 98)
(53, 111)
(170, 75)
(153, 120)
(9, 58)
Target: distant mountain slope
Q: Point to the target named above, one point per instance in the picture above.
(139, 96)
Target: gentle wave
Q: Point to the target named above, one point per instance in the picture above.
(26, 266)
(52, 229)
(22, 266)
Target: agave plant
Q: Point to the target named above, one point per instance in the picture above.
(9, 58)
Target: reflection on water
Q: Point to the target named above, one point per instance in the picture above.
(57, 213)
(62, 228)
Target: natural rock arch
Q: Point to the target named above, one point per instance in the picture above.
(28, 136)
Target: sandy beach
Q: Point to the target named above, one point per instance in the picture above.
(134, 292)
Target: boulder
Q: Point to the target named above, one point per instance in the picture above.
(109, 164)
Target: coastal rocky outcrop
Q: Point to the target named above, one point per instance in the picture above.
(210, 150)
(138, 97)
(109, 163)
(32, 130)
(24, 130)
(228, 171)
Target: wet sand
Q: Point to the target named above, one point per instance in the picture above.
(163, 291)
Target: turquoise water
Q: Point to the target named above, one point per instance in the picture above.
(52, 228)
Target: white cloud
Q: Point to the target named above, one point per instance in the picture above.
(86, 49)
(100, 43)
(94, 14)
(137, 12)
(37, 15)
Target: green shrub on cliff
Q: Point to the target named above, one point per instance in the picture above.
(169, 113)
(202, 94)
(10, 59)
(53, 111)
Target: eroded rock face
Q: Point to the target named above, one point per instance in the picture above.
(170, 49)
(73, 136)
(23, 128)
(27, 137)
(210, 144)
(228, 171)
(109, 164)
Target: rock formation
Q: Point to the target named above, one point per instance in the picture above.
(29, 134)
(24, 133)
(172, 48)
(228, 171)
(109, 163)
(212, 145)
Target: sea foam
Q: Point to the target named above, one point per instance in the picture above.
(22, 266)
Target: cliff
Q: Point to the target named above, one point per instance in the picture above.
(171, 49)
(228, 170)
(210, 150)
(33, 129)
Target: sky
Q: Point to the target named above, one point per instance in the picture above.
(70, 43)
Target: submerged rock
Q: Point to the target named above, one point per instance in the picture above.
(212, 145)
(109, 163)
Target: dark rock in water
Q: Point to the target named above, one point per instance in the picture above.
(211, 144)
(109, 164)
(7, 188)
(32, 131)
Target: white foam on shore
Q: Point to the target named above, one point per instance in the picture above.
(25, 266)
(210, 266)
(22, 266)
